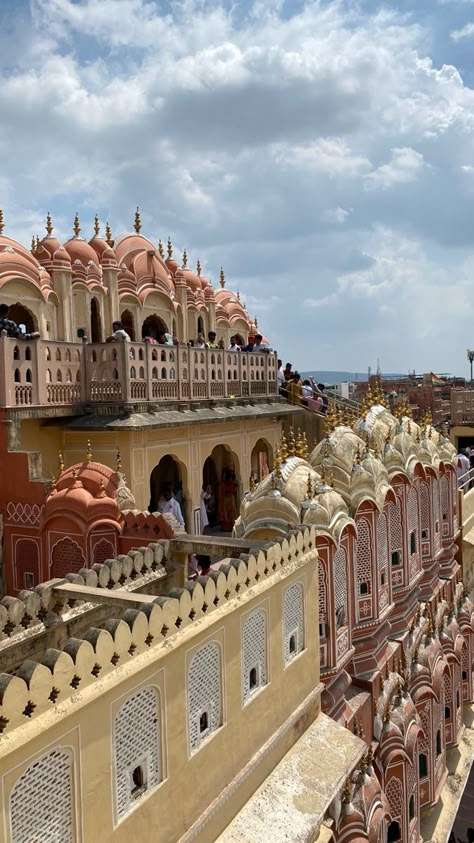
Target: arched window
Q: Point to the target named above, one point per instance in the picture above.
(340, 587)
(412, 543)
(293, 622)
(422, 765)
(204, 694)
(137, 748)
(41, 801)
(364, 556)
(393, 832)
(438, 743)
(254, 654)
(200, 325)
(411, 809)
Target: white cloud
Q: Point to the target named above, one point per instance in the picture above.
(322, 302)
(336, 215)
(466, 31)
(404, 167)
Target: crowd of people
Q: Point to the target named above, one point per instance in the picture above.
(255, 342)
(11, 328)
(301, 391)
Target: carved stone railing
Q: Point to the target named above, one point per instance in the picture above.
(40, 373)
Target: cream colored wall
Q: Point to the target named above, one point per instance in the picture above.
(191, 783)
(141, 451)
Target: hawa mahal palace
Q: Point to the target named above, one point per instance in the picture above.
(313, 681)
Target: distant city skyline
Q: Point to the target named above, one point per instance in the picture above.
(322, 153)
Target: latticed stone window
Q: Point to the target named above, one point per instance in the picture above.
(41, 804)
(204, 694)
(137, 748)
(340, 587)
(293, 622)
(364, 557)
(254, 654)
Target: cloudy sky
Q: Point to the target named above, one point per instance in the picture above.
(322, 152)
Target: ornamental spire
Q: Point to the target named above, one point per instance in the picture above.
(185, 259)
(170, 248)
(198, 268)
(76, 227)
(2, 226)
(118, 462)
(96, 225)
(60, 463)
(161, 251)
(49, 225)
(138, 223)
(108, 234)
(89, 451)
(222, 278)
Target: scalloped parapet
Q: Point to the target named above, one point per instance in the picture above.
(39, 686)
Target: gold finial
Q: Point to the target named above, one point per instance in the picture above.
(33, 244)
(96, 225)
(74, 474)
(54, 483)
(170, 248)
(2, 225)
(108, 234)
(76, 227)
(277, 463)
(331, 479)
(283, 448)
(49, 225)
(37, 241)
(222, 278)
(309, 488)
(138, 223)
(256, 323)
(252, 485)
(185, 259)
(60, 463)
(161, 251)
(300, 448)
(291, 443)
(305, 451)
(238, 296)
(198, 268)
(118, 462)
(89, 451)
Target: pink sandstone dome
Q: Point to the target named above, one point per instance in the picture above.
(79, 250)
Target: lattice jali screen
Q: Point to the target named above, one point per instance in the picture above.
(444, 497)
(204, 694)
(394, 794)
(41, 805)
(395, 516)
(340, 585)
(254, 654)
(436, 512)
(382, 561)
(137, 743)
(322, 591)
(104, 549)
(293, 622)
(424, 740)
(412, 510)
(364, 552)
(425, 507)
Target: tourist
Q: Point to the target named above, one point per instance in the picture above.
(206, 495)
(11, 327)
(462, 465)
(118, 333)
(168, 503)
(306, 389)
(148, 335)
(175, 340)
(204, 563)
(193, 567)
(200, 342)
(324, 398)
(280, 374)
(259, 344)
(233, 346)
(250, 344)
(288, 371)
(212, 340)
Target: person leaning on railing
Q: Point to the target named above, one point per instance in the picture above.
(12, 328)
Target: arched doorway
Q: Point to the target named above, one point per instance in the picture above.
(96, 327)
(153, 326)
(23, 318)
(221, 478)
(169, 471)
(128, 324)
(261, 460)
(200, 325)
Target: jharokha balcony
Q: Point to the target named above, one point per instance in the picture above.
(51, 374)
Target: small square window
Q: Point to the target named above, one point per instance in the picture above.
(292, 644)
(203, 722)
(138, 782)
(253, 679)
(424, 535)
(382, 578)
(29, 580)
(363, 588)
(395, 557)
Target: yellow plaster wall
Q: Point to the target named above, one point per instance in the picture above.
(84, 722)
(190, 445)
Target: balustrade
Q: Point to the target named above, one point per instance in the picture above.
(43, 373)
